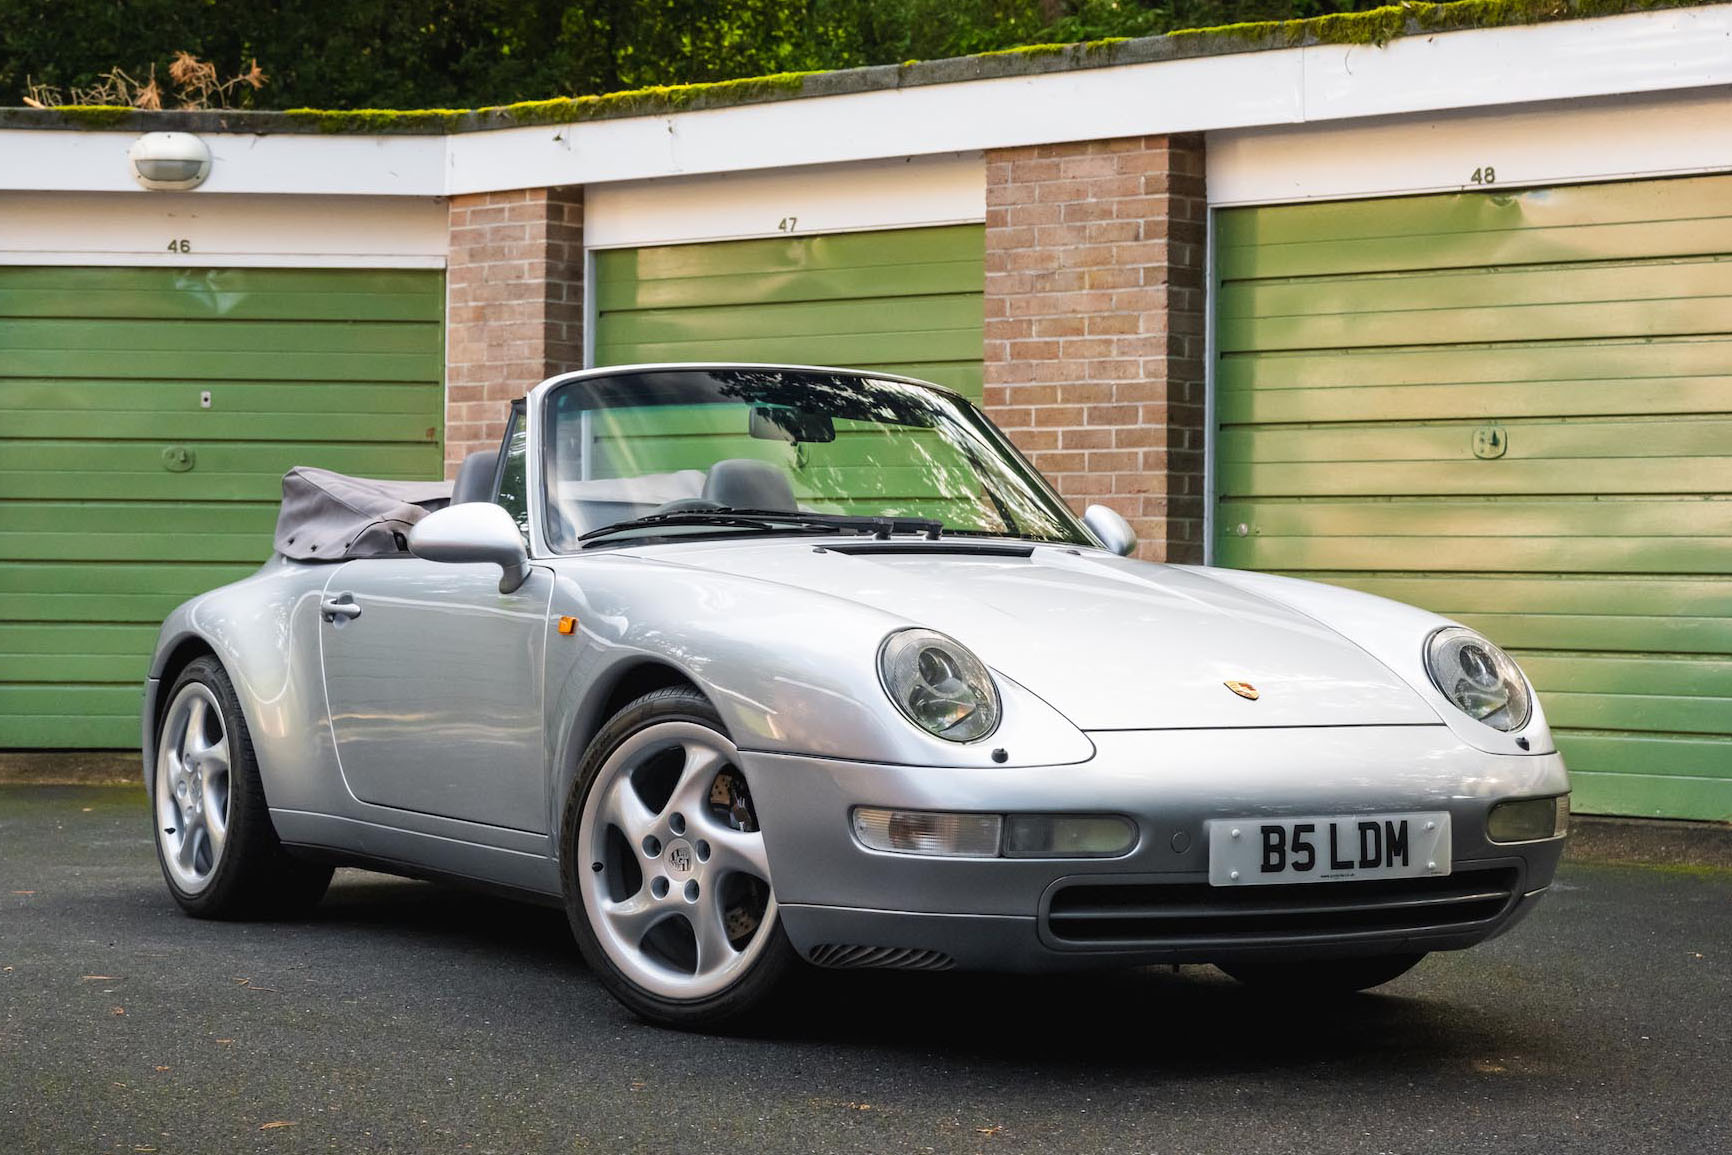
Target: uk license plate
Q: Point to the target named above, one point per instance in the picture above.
(1336, 848)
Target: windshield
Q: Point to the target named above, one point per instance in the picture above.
(683, 447)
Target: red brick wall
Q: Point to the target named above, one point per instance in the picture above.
(1094, 325)
(514, 307)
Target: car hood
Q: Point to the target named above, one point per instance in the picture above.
(1113, 644)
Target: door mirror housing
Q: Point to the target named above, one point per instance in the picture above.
(1111, 530)
(476, 531)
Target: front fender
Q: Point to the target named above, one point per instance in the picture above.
(790, 671)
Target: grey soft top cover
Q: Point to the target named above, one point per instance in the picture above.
(330, 517)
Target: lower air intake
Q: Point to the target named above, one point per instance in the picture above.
(1174, 914)
(879, 958)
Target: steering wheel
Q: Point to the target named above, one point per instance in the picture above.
(685, 504)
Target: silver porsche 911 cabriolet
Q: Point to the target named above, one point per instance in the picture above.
(755, 667)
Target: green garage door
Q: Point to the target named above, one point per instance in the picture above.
(122, 494)
(901, 301)
(1514, 409)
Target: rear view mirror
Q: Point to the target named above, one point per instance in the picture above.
(1111, 530)
(785, 423)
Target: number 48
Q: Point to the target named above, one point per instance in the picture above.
(1486, 175)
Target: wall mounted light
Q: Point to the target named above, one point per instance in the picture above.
(170, 160)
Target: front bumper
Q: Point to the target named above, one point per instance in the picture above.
(843, 904)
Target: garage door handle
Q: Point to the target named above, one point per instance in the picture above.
(342, 606)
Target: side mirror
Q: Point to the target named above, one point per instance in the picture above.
(476, 531)
(1111, 530)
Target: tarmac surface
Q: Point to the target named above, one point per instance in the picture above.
(403, 1016)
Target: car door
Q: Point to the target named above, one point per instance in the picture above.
(435, 680)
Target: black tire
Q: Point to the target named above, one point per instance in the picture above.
(1322, 976)
(253, 877)
(752, 990)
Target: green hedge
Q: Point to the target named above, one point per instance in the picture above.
(343, 54)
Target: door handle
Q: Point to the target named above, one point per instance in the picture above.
(340, 607)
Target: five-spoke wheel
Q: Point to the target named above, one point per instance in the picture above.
(666, 874)
(219, 853)
(192, 787)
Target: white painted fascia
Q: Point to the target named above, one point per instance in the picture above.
(1675, 49)
(1615, 138)
(1504, 68)
(910, 192)
(180, 229)
(33, 160)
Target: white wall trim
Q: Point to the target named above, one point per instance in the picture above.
(222, 231)
(1617, 138)
(35, 160)
(1674, 50)
(1670, 50)
(908, 192)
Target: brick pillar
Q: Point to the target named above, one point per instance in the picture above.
(514, 306)
(1094, 325)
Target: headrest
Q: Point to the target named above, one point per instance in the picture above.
(741, 483)
(475, 477)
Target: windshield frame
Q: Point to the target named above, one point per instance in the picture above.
(542, 430)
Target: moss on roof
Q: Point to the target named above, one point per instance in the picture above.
(1375, 27)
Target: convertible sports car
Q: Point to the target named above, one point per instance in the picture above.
(756, 666)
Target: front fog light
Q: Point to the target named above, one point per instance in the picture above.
(1529, 820)
(1068, 836)
(928, 832)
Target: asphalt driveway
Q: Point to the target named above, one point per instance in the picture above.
(407, 1017)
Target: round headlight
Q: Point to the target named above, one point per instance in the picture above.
(1478, 678)
(938, 685)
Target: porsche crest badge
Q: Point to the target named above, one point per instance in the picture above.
(1243, 689)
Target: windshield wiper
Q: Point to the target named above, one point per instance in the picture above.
(773, 521)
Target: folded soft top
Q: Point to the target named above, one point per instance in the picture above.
(327, 516)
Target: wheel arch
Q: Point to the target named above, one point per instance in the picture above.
(622, 684)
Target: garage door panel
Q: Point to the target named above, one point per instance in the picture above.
(1488, 553)
(1513, 288)
(310, 363)
(891, 320)
(1363, 348)
(1650, 795)
(1608, 476)
(1628, 518)
(102, 532)
(1635, 712)
(927, 277)
(1504, 400)
(1596, 223)
(1705, 437)
(1608, 633)
(1706, 598)
(1674, 675)
(237, 294)
(295, 427)
(904, 300)
(852, 351)
(24, 395)
(823, 251)
(1658, 318)
(1548, 361)
(270, 458)
(248, 338)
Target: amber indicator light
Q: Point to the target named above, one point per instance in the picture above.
(1243, 689)
(568, 625)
